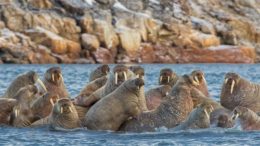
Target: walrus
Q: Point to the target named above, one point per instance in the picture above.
(167, 77)
(22, 115)
(225, 121)
(99, 72)
(199, 118)
(63, 116)
(42, 106)
(247, 118)
(6, 108)
(120, 74)
(138, 71)
(89, 89)
(200, 81)
(54, 83)
(237, 91)
(155, 96)
(29, 78)
(115, 108)
(171, 112)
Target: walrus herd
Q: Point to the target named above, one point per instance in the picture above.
(116, 100)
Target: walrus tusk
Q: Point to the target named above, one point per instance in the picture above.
(195, 83)
(211, 108)
(168, 79)
(161, 79)
(51, 101)
(52, 77)
(39, 81)
(70, 109)
(61, 110)
(232, 86)
(16, 112)
(167, 93)
(234, 116)
(207, 114)
(61, 76)
(137, 76)
(197, 80)
(125, 76)
(116, 75)
(203, 78)
(226, 80)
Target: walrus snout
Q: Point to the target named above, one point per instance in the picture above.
(198, 77)
(165, 76)
(139, 82)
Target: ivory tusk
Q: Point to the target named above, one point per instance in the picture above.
(16, 112)
(234, 116)
(70, 109)
(61, 76)
(116, 76)
(226, 80)
(207, 114)
(61, 110)
(39, 81)
(232, 86)
(52, 77)
(160, 79)
(197, 80)
(51, 101)
(125, 76)
(167, 93)
(168, 79)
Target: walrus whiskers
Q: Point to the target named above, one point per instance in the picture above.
(125, 76)
(232, 86)
(39, 81)
(116, 75)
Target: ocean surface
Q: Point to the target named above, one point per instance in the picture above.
(76, 76)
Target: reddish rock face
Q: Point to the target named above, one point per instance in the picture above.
(103, 56)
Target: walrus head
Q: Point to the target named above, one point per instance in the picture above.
(54, 75)
(167, 76)
(64, 106)
(232, 80)
(120, 74)
(134, 85)
(239, 112)
(199, 81)
(207, 109)
(224, 121)
(26, 94)
(43, 105)
(138, 71)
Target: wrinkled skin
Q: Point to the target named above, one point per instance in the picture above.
(89, 89)
(155, 96)
(120, 74)
(237, 91)
(43, 105)
(99, 72)
(64, 115)
(171, 112)
(114, 109)
(168, 77)
(248, 119)
(29, 78)
(53, 80)
(199, 118)
(6, 108)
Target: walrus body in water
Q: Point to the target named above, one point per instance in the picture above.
(54, 83)
(171, 112)
(247, 118)
(115, 108)
(237, 91)
(199, 118)
(29, 78)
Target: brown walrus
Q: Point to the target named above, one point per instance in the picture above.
(171, 112)
(200, 81)
(115, 108)
(54, 83)
(6, 108)
(237, 91)
(89, 89)
(22, 115)
(199, 118)
(155, 96)
(63, 116)
(225, 121)
(99, 72)
(138, 71)
(29, 78)
(42, 106)
(248, 119)
(120, 74)
(167, 77)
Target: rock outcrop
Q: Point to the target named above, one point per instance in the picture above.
(124, 31)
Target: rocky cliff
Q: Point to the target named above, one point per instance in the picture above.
(129, 31)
